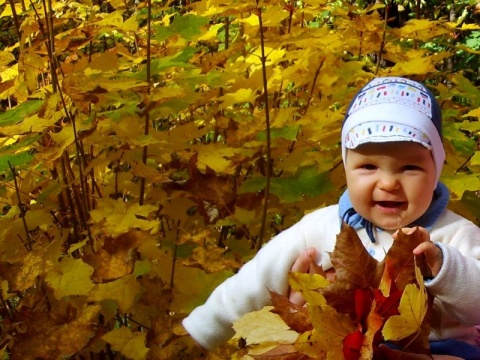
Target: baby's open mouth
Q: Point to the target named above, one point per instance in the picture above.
(390, 204)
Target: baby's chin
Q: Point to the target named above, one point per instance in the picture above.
(391, 226)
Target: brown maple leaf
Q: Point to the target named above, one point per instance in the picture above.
(295, 316)
(354, 269)
(400, 261)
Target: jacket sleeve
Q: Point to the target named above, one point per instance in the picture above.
(456, 285)
(211, 324)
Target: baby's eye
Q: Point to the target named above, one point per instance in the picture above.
(411, 168)
(368, 167)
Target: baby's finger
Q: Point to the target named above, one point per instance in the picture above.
(302, 264)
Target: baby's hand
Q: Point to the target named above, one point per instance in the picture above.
(433, 254)
(302, 264)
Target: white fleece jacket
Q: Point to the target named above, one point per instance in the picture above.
(457, 297)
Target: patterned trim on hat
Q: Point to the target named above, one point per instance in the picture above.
(382, 131)
(398, 91)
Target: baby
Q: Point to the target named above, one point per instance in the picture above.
(393, 157)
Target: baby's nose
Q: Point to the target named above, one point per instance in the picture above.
(388, 182)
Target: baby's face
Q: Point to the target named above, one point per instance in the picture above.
(390, 184)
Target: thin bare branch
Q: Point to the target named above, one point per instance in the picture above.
(22, 208)
(268, 157)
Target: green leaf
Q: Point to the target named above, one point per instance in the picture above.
(306, 182)
(460, 183)
(20, 145)
(162, 33)
(463, 144)
(142, 267)
(19, 112)
(16, 160)
(121, 113)
(288, 132)
(189, 26)
(157, 66)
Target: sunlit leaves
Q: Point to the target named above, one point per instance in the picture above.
(63, 337)
(306, 181)
(23, 275)
(307, 285)
(71, 277)
(128, 343)
(263, 326)
(211, 259)
(11, 117)
(118, 217)
(462, 182)
(77, 148)
(422, 29)
(124, 291)
(116, 258)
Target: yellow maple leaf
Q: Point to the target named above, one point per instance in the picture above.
(422, 29)
(460, 183)
(33, 266)
(412, 309)
(116, 217)
(111, 266)
(306, 284)
(104, 61)
(152, 175)
(23, 275)
(6, 58)
(331, 327)
(128, 343)
(33, 123)
(212, 32)
(215, 156)
(263, 326)
(117, 257)
(67, 339)
(239, 97)
(420, 65)
(51, 337)
(62, 139)
(117, 4)
(212, 259)
(125, 291)
(130, 24)
(114, 19)
(474, 112)
(475, 160)
(7, 74)
(70, 277)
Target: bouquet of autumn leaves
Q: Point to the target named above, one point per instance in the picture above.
(371, 310)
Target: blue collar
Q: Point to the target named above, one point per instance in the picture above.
(347, 213)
